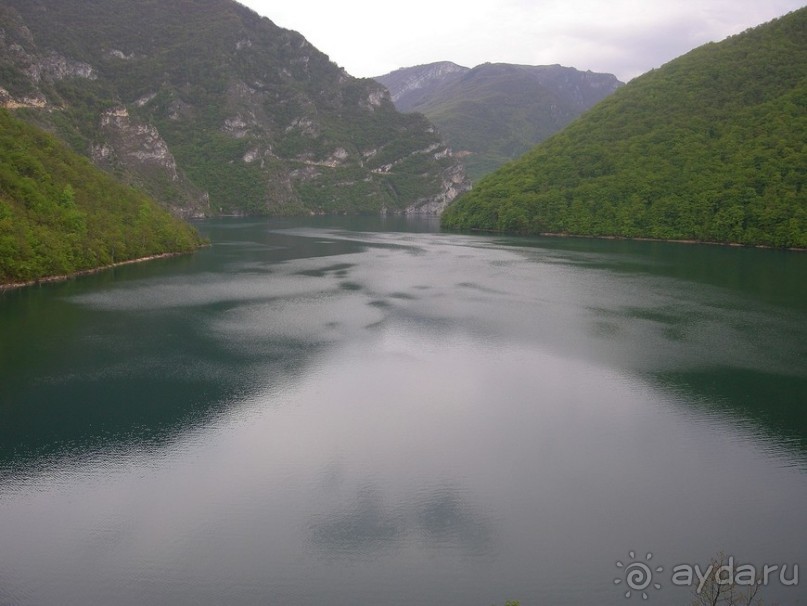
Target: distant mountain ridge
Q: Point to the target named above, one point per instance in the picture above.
(494, 112)
(709, 147)
(411, 87)
(213, 109)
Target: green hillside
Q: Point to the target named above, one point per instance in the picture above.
(710, 147)
(213, 109)
(60, 215)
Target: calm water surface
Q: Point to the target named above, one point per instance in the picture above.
(367, 411)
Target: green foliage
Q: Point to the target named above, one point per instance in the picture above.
(498, 111)
(191, 67)
(710, 147)
(59, 214)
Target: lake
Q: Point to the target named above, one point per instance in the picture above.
(368, 411)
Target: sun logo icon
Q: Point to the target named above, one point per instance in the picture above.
(638, 575)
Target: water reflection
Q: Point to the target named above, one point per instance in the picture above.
(254, 310)
(331, 414)
(772, 404)
(368, 525)
(438, 517)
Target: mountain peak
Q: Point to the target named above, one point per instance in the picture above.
(409, 85)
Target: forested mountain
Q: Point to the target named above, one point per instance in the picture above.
(59, 214)
(213, 109)
(710, 147)
(496, 111)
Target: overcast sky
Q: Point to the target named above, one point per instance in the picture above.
(622, 37)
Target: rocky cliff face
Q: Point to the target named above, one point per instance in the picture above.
(25, 70)
(135, 148)
(412, 86)
(213, 109)
(453, 182)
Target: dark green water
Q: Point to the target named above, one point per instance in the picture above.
(367, 411)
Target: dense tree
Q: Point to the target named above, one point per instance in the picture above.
(709, 147)
(60, 215)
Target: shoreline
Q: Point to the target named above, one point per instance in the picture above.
(637, 239)
(87, 272)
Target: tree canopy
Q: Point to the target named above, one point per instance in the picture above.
(60, 215)
(709, 147)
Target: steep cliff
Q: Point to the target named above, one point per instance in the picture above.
(213, 109)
